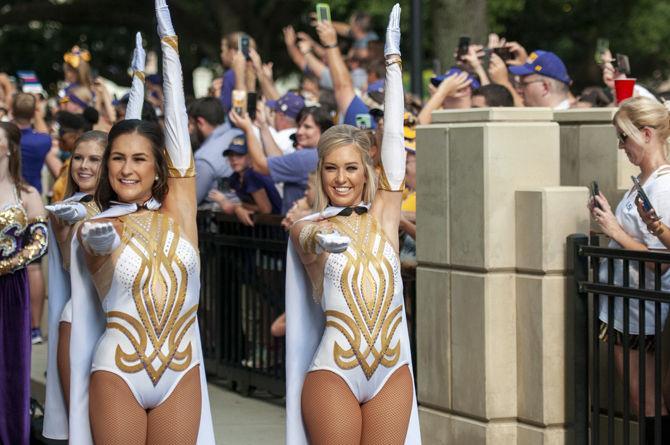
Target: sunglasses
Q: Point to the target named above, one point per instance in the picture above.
(622, 137)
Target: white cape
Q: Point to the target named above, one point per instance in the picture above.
(305, 323)
(88, 325)
(55, 412)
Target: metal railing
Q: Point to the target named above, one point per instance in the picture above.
(242, 293)
(602, 286)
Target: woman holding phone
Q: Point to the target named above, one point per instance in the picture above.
(643, 128)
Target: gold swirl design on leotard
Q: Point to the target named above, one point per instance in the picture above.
(368, 286)
(159, 293)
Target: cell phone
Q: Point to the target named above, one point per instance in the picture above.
(504, 53)
(363, 121)
(602, 45)
(595, 191)
(28, 82)
(239, 101)
(243, 45)
(323, 12)
(251, 104)
(463, 46)
(646, 204)
(622, 64)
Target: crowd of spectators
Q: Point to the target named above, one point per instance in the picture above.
(255, 142)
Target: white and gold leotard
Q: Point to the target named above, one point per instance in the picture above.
(150, 306)
(365, 338)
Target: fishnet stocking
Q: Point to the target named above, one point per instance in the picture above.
(116, 417)
(330, 411)
(386, 415)
(177, 420)
(63, 360)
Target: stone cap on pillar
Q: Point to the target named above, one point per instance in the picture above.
(585, 115)
(494, 114)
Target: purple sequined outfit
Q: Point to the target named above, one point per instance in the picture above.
(14, 334)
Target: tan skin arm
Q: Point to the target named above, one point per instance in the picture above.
(181, 205)
(259, 162)
(342, 84)
(314, 264)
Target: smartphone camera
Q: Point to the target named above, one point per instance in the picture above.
(323, 12)
(244, 46)
(463, 47)
(504, 53)
(363, 121)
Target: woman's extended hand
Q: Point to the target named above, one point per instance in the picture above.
(603, 216)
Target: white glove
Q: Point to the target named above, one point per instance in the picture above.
(69, 212)
(139, 56)
(164, 21)
(101, 238)
(392, 44)
(332, 242)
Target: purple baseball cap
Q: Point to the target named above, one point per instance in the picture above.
(437, 80)
(290, 104)
(544, 63)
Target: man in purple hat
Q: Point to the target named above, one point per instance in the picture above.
(544, 81)
(277, 141)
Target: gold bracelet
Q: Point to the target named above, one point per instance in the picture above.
(393, 60)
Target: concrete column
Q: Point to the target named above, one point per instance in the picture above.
(589, 151)
(490, 283)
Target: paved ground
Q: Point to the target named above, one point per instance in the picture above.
(237, 420)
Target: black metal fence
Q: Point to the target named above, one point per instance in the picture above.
(242, 293)
(616, 285)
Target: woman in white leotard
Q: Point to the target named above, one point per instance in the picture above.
(65, 219)
(353, 379)
(147, 381)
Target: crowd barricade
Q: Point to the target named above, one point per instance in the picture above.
(602, 403)
(242, 274)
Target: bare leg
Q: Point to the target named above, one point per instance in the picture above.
(331, 413)
(116, 417)
(633, 382)
(386, 415)
(36, 283)
(177, 420)
(63, 359)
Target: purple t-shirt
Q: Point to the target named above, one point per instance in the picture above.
(357, 106)
(227, 90)
(293, 170)
(34, 148)
(254, 181)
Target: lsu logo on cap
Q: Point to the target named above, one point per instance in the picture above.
(532, 57)
(238, 141)
(538, 68)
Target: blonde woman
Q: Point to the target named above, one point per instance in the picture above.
(643, 127)
(348, 354)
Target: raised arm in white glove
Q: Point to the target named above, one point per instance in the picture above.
(100, 238)
(68, 212)
(393, 141)
(177, 139)
(136, 97)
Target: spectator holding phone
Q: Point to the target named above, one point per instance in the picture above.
(348, 103)
(256, 193)
(643, 127)
(229, 48)
(277, 140)
(292, 169)
(543, 81)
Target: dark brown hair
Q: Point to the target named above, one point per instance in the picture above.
(14, 146)
(154, 134)
(94, 135)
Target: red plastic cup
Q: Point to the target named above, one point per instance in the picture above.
(624, 89)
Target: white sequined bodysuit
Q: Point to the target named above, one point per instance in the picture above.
(151, 305)
(365, 339)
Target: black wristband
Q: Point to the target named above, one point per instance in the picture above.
(334, 45)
